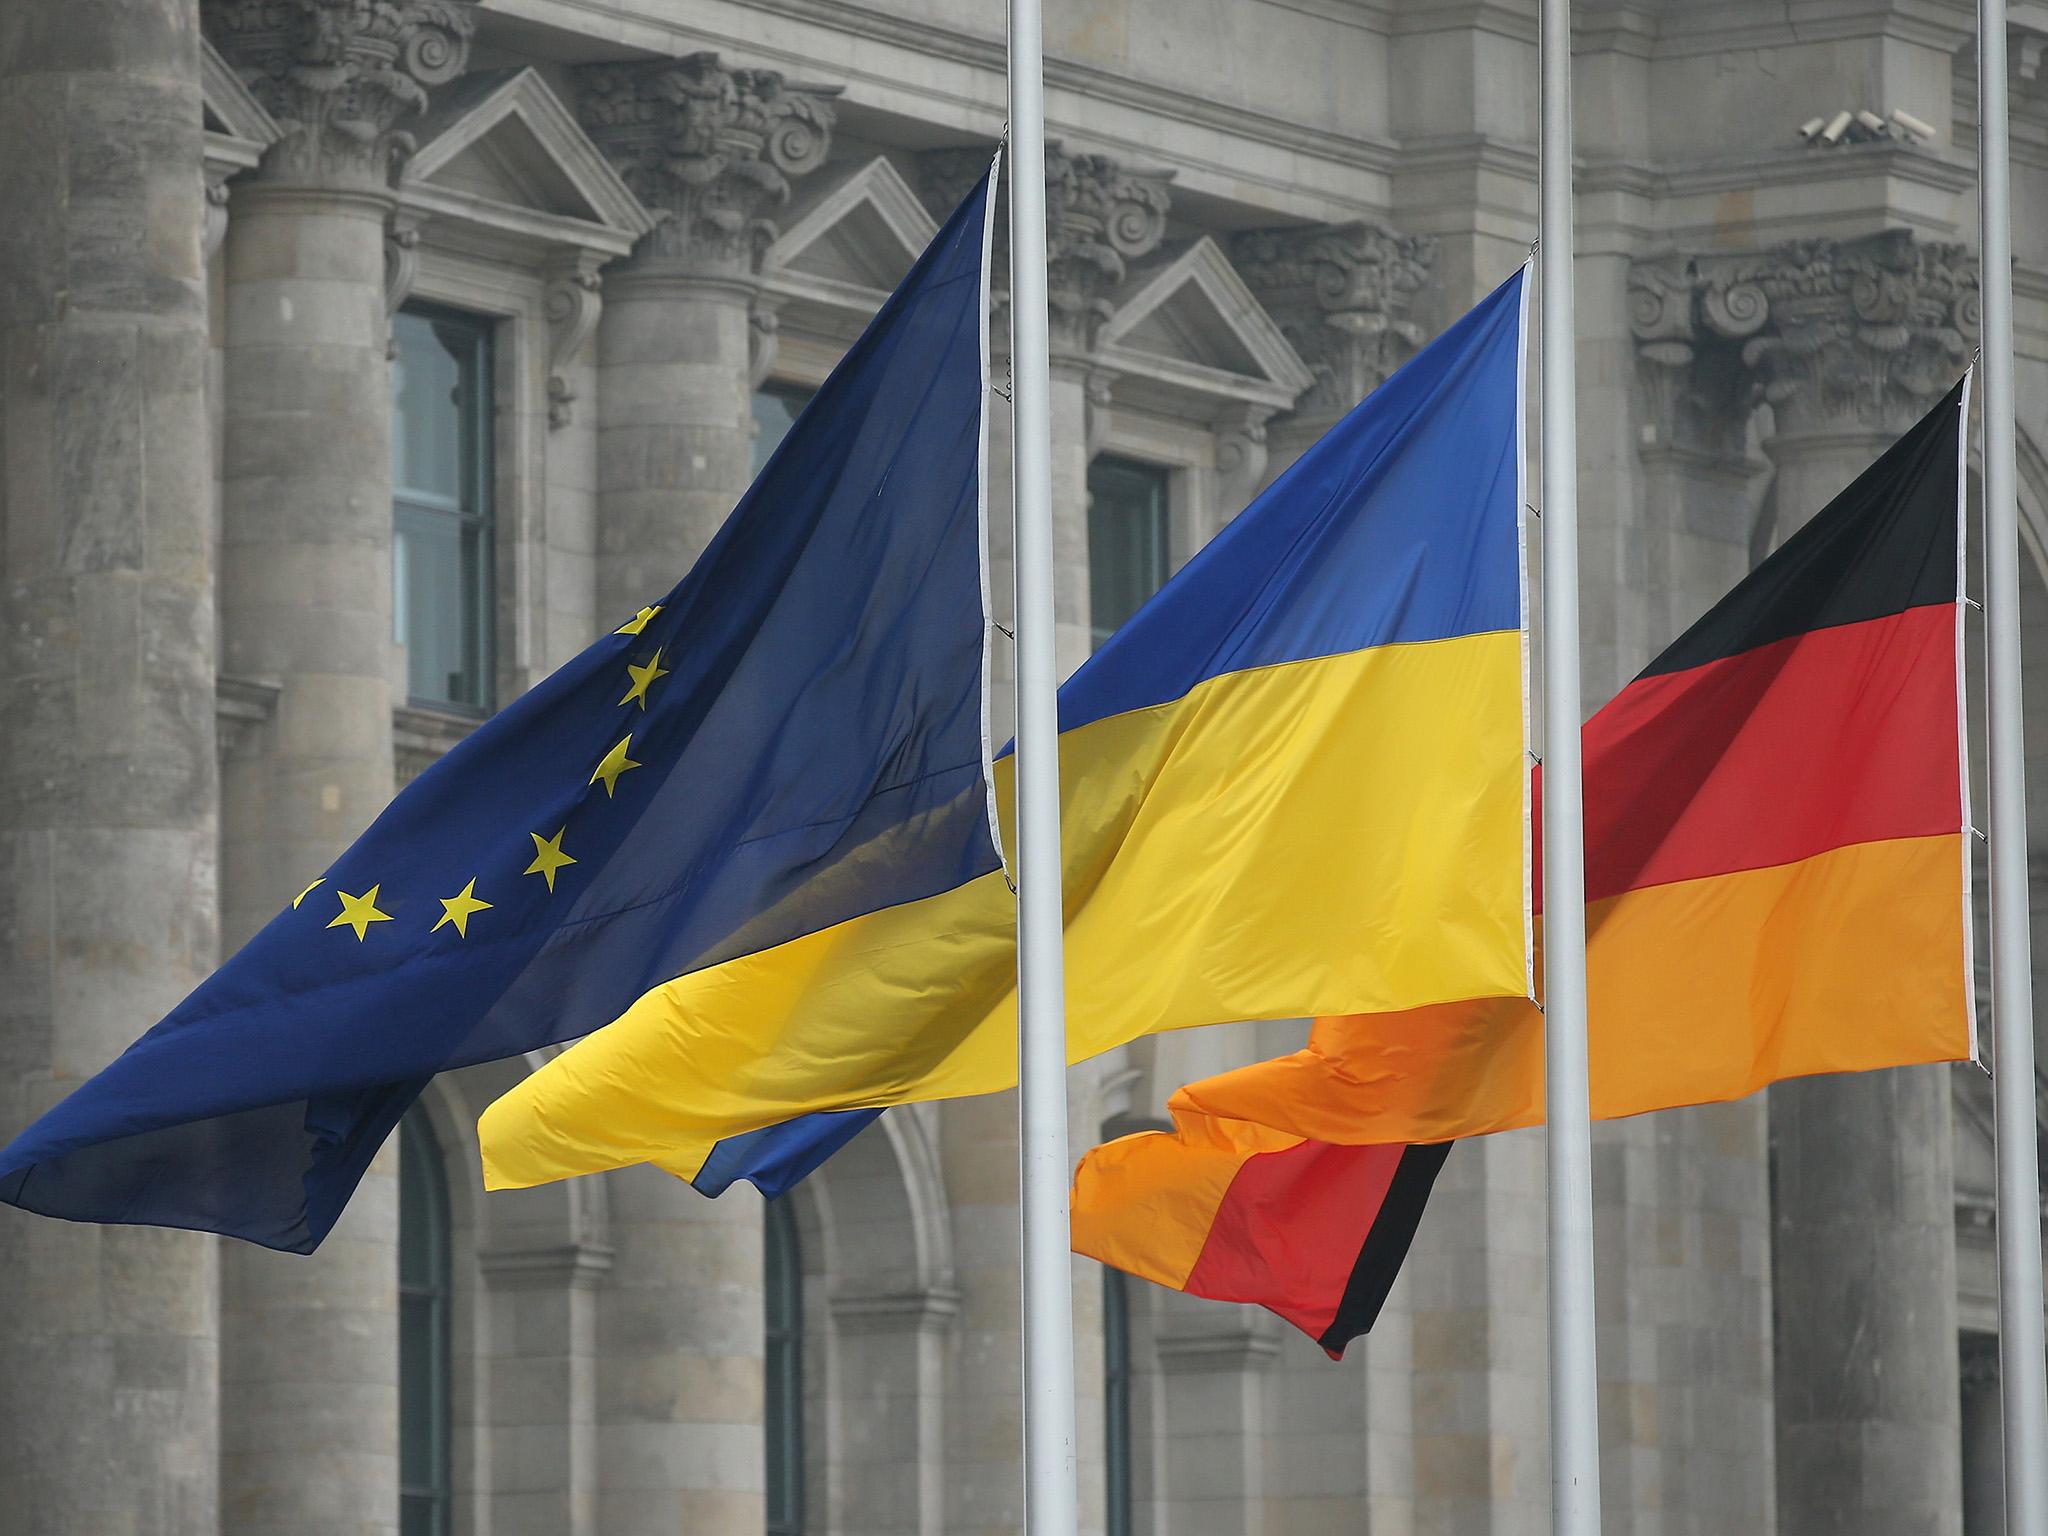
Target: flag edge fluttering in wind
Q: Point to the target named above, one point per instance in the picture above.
(1152, 1203)
(648, 1088)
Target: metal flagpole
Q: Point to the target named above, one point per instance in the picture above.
(1048, 1303)
(2023, 1367)
(1574, 1423)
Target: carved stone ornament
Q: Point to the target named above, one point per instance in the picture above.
(1858, 334)
(764, 333)
(1241, 454)
(216, 209)
(711, 149)
(572, 303)
(1099, 216)
(340, 76)
(401, 261)
(1342, 296)
(1099, 389)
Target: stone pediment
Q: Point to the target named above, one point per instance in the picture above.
(238, 129)
(1185, 325)
(503, 166)
(844, 245)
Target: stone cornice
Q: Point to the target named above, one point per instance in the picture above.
(930, 1310)
(422, 737)
(709, 147)
(339, 77)
(1945, 171)
(1231, 1345)
(241, 706)
(576, 1266)
(1343, 296)
(1515, 21)
(984, 52)
(1835, 335)
(1737, 24)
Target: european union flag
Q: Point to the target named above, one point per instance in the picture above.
(792, 737)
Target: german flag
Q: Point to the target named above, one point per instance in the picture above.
(1777, 885)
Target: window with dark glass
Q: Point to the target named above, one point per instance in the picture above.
(783, 1352)
(441, 487)
(1127, 540)
(1116, 1401)
(423, 1298)
(776, 408)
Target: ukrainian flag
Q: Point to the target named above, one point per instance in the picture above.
(1292, 785)
(792, 737)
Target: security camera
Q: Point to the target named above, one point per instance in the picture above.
(1912, 124)
(1837, 126)
(1873, 124)
(1812, 126)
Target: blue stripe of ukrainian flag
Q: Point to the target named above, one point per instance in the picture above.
(708, 781)
(1292, 785)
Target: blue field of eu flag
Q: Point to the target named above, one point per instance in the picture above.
(710, 779)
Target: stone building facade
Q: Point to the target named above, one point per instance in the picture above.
(360, 360)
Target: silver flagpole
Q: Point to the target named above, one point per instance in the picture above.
(2023, 1368)
(1574, 1422)
(1048, 1302)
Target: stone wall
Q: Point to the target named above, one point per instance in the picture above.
(1255, 220)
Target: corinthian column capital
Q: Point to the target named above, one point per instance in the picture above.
(711, 148)
(1343, 296)
(1100, 215)
(1836, 335)
(340, 76)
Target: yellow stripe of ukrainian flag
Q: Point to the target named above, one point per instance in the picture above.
(1337, 835)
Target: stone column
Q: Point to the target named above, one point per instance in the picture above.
(309, 1418)
(1850, 342)
(1213, 1364)
(107, 777)
(679, 1350)
(538, 1399)
(1345, 296)
(1099, 216)
(712, 150)
(890, 1391)
(1700, 478)
(680, 346)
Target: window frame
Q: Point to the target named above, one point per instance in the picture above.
(1119, 1475)
(780, 389)
(480, 521)
(423, 1176)
(782, 1370)
(1165, 477)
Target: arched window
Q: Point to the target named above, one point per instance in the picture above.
(1116, 1401)
(783, 1362)
(423, 1291)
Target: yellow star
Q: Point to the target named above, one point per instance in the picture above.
(358, 912)
(309, 890)
(643, 679)
(547, 856)
(615, 763)
(456, 909)
(638, 622)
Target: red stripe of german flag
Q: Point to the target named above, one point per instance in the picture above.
(1775, 876)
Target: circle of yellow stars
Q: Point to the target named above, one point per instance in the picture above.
(360, 913)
